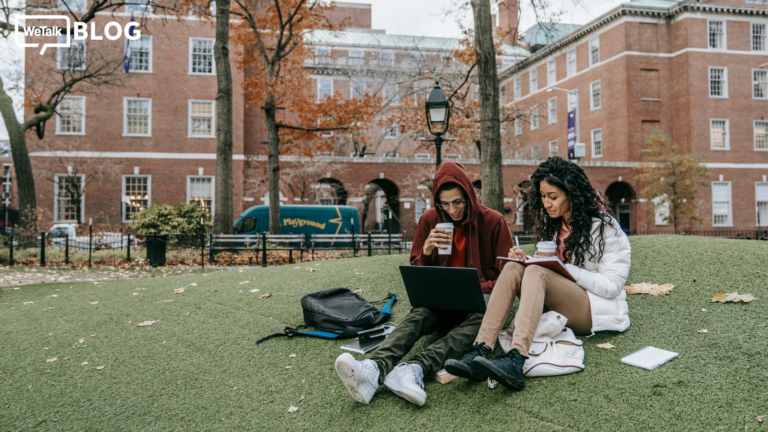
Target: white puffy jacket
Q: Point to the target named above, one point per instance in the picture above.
(604, 280)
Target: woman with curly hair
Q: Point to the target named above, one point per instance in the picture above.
(568, 210)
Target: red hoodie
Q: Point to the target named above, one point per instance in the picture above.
(486, 231)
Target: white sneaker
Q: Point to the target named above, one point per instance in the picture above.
(407, 381)
(360, 377)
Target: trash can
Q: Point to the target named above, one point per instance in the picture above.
(156, 245)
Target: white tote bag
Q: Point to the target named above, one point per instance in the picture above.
(555, 349)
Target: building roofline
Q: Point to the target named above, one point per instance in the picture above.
(627, 9)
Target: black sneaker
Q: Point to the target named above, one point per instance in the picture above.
(463, 367)
(506, 369)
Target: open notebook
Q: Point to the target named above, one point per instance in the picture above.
(553, 263)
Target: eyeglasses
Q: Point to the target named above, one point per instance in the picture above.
(457, 204)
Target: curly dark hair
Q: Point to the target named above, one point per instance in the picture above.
(586, 205)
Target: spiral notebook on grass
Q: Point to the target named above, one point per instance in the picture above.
(553, 263)
(369, 340)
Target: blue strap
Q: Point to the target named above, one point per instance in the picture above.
(320, 334)
(387, 309)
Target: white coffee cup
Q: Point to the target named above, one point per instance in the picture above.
(448, 227)
(546, 249)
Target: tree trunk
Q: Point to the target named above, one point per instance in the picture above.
(224, 184)
(490, 134)
(25, 182)
(273, 165)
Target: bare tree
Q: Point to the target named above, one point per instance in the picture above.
(310, 179)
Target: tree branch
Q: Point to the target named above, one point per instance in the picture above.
(305, 129)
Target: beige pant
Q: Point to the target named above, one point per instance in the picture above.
(537, 287)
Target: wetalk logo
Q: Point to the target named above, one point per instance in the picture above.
(65, 35)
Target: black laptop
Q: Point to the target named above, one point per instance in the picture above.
(446, 288)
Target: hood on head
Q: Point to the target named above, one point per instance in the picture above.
(454, 172)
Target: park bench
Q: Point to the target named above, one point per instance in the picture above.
(356, 242)
(258, 242)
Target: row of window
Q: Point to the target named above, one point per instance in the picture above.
(597, 147)
(718, 82)
(137, 117)
(722, 209)
(718, 40)
(200, 55)
(137, 195)
(720, 135)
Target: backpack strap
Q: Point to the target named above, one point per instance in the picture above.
(290, 332)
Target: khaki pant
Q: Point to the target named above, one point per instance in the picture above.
(537, 287)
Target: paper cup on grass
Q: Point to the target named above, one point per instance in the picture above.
(546, 249)
(448, 227)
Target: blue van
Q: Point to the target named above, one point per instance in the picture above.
(301, 219)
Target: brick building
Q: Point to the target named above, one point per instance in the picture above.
(652, 63)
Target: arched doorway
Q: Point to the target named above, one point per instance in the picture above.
(329, 191)
(381, 195)
(620, 196)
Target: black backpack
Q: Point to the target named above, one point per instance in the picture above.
(338, 313)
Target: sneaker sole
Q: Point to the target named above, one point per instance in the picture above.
(499, 375)
(459, 369)
(345, 368)
(402, 392)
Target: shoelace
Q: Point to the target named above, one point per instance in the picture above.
(476, 347)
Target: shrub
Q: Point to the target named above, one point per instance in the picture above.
(183, 219)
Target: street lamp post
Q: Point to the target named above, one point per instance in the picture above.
(438, 111)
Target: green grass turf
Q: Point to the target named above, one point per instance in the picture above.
(200, 368)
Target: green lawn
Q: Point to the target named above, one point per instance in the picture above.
(199, 368)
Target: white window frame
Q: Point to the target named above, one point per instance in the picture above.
(56, 196)
(729, 221)
(534, 113)
(359, 60)
(142, 10)
(149, 192)
(765, 84)
(551, 72)
(58, 118)
(62, 49)
(764, 36)
(754, 135)
(552, 106)
(318, 87)
(571, 72)
(125, 118)
(213, 63)
(519, 211)
(550, 148)
(323, 56)
(75, 7)
(213, 119)
(213, 189)
(518, 88)
(422, 156)
(727, 139)
(387, 96)
(533, 77)
(760, 223)
(352, 85)
(594, 47)
(661, 210)
(151, 53)
(602, 141)
(518, 127)
(724, 40)
(725, 82)
(389, 129)
(383, 61)
(592, 105)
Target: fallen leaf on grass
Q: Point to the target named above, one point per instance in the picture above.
(193, 284)
(292, 356)
(139, 289)
(703, 331)
(310, 269)
(254, 290)
(46, 348)
(93, 303)
(243, 282)
(358, 291)
(135, 293)
(302, 397)
(51, 360)
(760, 419)
(52, 295)
(293, 409)
(263, 296)
(93, 335)
(29, 302)
(81, 340)
(84, 363)
(605, 345)
(50, 308)
(97, 368)
(178, 290)
(287, 367)
(146, 323)
(164, 301)
(733, 297)
(359, 273)
(649, 288)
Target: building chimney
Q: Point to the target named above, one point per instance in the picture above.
(508, 21)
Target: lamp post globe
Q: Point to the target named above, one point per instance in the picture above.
(438, 111)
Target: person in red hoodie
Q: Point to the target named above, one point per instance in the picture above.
(480, 235)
